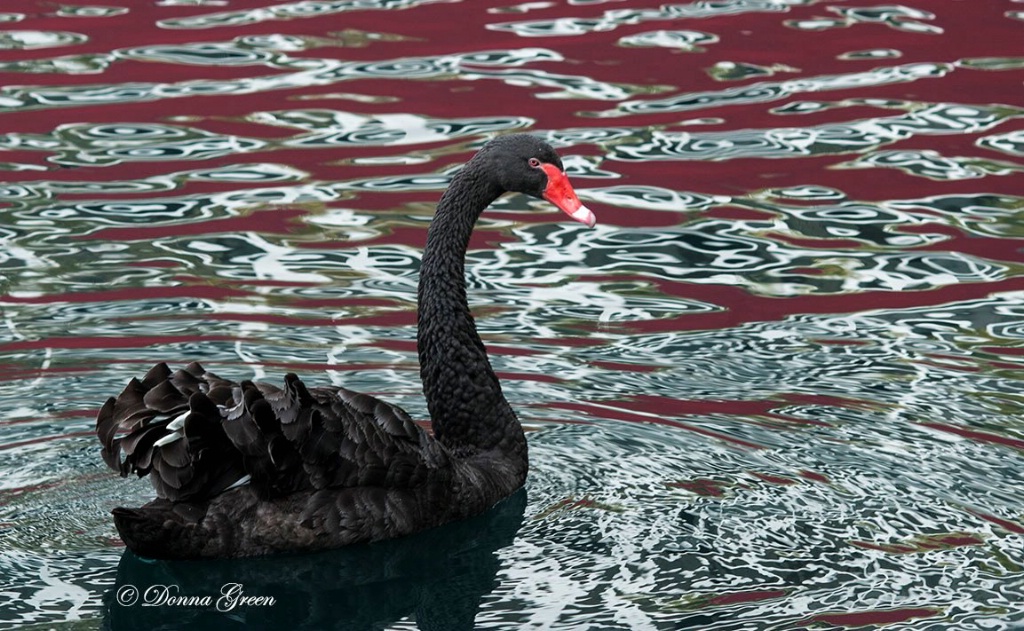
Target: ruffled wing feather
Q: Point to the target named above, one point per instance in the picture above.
(196, 435)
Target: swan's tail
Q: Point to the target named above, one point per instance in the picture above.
(139, 529)
(158, 530)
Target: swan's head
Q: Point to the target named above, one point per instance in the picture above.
(526, 164)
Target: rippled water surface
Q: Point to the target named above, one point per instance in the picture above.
(778, 386)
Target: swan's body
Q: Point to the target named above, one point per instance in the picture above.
(245, 469)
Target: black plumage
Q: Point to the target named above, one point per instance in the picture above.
(244, 469)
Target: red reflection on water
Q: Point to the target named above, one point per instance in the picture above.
(745, 597)
(109, 342)
(213, 292)
(973, 434)
(46, 439)
(814, 476)
(773, 479)
(924, 543)
(1005, 524)
(743, 307)
(977, 29)
(608, 411)
(702, 486)
(877, 617)
(279, 221)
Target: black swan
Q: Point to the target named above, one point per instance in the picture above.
(250, 469)
(438, 577)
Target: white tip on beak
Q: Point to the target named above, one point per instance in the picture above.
(583, 215)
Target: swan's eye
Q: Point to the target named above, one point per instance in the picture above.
(534, 162)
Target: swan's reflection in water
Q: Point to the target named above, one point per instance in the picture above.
(436, 578)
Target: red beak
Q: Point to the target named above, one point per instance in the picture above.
(560, 193)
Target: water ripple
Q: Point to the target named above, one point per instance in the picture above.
(777, 386)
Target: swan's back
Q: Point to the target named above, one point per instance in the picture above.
(235, 463)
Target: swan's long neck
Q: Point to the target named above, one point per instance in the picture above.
(467, 409)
